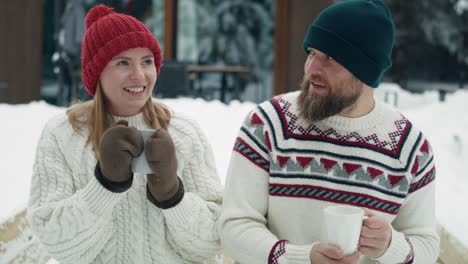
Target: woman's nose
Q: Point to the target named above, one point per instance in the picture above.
(137, 72)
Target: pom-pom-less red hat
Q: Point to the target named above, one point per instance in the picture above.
(107, 35)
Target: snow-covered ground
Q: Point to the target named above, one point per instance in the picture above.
(445, 124)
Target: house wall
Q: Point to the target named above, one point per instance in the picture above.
(20, 50)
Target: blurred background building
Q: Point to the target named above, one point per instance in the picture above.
(214, 49)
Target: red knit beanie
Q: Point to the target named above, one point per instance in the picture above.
(107, 35)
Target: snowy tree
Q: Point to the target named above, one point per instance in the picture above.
(432, 32)
(236, 32)
(461, 6)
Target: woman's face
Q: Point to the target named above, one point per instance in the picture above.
(127, 81)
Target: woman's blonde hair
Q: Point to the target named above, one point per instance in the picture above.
(95, 116)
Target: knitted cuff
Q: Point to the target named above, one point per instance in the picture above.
(296, 254)
(277, 251)
(117, 187)
(400, 250)
(175, 200)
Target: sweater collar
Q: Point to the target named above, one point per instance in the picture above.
(136, 121)
(370, 120)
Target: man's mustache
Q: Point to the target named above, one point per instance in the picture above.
(313, 78)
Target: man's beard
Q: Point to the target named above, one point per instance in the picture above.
(314, 107)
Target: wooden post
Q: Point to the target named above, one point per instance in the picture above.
(292, 20)
(21, 50)
(281, 47)
(170, 29)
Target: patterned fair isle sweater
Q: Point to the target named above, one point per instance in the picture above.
(79, 221)
(285, 170)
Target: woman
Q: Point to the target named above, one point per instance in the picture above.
(86, 205)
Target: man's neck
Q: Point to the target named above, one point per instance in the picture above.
(363, 105)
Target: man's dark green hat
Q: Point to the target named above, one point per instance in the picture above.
(358, 34)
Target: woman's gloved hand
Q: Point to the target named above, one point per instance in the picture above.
(165, 189)
(119, 145)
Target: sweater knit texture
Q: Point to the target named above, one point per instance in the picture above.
(79, 221)
(285, 170)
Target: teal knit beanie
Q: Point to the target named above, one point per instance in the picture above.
(358, 34)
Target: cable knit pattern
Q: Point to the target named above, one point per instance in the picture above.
(285, 170)
(79, 221)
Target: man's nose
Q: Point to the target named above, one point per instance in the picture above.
(313, 66)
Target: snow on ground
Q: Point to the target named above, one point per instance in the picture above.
(445, 124)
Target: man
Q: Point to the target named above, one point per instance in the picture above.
(332, 143)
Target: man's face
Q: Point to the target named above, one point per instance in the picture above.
(327, 87)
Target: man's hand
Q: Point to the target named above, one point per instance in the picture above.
(323, 253)
(376, 234)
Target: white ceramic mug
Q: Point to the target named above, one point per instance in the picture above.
(343, 225)
(140, 164)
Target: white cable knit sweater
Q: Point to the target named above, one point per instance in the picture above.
(79, 221)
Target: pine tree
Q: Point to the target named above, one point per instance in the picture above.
(431, 33)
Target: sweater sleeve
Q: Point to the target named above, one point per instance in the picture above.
(73, 225)
(192, 224)
(243, 223)
(414, 236)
